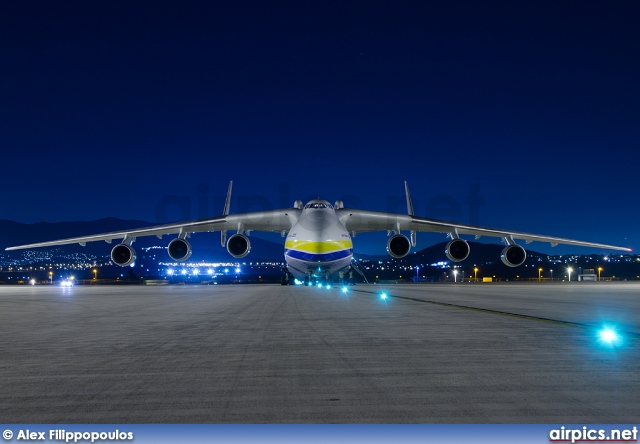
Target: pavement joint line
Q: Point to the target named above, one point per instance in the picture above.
(502, 313)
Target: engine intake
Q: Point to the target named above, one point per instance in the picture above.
(123, 255)
(513, 255)
(179, 250)
(457, 250)
(398, 246)
(238, 246)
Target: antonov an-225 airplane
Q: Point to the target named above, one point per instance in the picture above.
(318, 236)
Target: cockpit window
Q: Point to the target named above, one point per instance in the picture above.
(318, 205)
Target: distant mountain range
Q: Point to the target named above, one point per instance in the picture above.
(206, 246)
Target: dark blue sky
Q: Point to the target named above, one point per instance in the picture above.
(147, 110)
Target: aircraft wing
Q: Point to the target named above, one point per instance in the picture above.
(275, 220)
(357, 221)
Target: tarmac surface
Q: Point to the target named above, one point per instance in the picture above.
(430, 353)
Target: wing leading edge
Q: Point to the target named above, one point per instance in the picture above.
(275, 220)
(357, 221)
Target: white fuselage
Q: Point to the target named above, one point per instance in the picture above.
(318, 244)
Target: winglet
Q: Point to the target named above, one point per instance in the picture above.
(225, 212)
(409, 204)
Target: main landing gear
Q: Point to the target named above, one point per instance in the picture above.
(287, 278)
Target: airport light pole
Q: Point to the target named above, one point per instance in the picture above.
(417, 275)
(551, 274)
(539, 274)
(51, 277)
(95, 274)
(569, 270)
(455, 275)
(599, 270)
(475, 274)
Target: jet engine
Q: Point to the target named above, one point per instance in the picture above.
(457, 250)
(513, 255)
(123, 255)
(238, 246)
(398, 246)
(179, 250)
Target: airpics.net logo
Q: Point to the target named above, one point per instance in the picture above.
(586, 434)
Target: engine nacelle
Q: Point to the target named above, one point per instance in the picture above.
(457, 250)
(123, 255)
(238, 246)
(513, 255)
(179, 250)
(398, 246)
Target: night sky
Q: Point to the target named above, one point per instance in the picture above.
(517, 115)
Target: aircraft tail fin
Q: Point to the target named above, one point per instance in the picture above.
(227, 203)
(410, 212)
(409, 203)
(225, 212)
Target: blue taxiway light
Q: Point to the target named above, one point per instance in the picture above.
(608, 335)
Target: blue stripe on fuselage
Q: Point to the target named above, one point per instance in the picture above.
(323, 257)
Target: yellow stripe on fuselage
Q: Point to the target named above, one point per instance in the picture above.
(318, 247)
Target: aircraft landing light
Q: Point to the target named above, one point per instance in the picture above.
(328, 287)
(344, 289)
(383, 296)
(319, 285)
